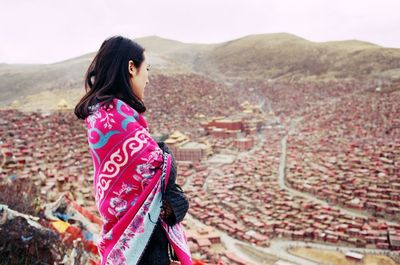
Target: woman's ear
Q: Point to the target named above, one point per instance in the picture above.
(131, 68)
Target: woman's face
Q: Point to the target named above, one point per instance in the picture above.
(139, 77)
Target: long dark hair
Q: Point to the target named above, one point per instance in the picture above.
(108, 77)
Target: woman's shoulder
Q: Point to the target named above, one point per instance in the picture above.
(114, 113)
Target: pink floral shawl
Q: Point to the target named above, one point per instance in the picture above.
(130, 171)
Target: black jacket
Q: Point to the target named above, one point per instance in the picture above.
(156, 251)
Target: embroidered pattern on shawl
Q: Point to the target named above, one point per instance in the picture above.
(130, 173)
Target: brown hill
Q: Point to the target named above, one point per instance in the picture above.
(285, 56)
(255, 57)
(174, 56)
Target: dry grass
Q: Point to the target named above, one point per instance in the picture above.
(286, 56)
(337, 258)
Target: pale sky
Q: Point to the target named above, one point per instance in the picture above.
(47, 31)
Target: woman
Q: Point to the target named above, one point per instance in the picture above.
(134, 176)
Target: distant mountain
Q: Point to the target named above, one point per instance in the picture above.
(254, 57)
(286, 56)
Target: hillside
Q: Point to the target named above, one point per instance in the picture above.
(278, 56)
(286, 56)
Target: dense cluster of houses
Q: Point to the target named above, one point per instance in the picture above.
(49, 149)
(52, 151)
(184, 101)
(293, 99)
(345, 151)
(236, 131)
(245, 201)
(348, 153)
